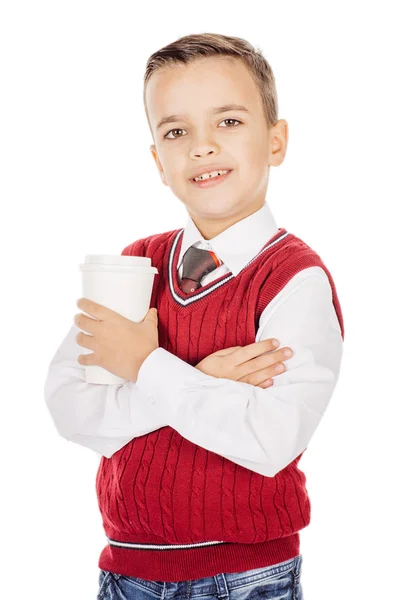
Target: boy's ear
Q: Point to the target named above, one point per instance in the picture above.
(159, 166)
(279, 137)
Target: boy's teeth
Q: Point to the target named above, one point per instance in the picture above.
(209, 175)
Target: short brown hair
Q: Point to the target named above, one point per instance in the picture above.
(200, 45)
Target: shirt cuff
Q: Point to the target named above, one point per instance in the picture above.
(163, 377)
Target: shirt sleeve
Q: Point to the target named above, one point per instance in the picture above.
(260, 429)
(101, 417)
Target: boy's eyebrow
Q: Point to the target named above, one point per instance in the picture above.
(216, 110)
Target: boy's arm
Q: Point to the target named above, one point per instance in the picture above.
(260, 429)
(103, 418)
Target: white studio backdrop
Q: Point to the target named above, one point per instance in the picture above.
(77, 177)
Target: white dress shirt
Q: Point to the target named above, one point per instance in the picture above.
(260, 429)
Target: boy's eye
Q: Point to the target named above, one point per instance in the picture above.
(174, 137)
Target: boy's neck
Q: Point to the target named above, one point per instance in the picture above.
(210, 228)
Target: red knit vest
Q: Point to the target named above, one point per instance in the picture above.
(171, 509)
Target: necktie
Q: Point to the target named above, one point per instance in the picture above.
(196, 264)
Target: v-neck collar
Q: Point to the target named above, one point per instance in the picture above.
(185, 301)
(252, 231)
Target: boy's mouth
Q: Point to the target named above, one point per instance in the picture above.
(211, 181)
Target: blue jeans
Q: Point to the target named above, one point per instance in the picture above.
(277, 581)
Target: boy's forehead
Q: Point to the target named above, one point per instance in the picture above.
(185, 90)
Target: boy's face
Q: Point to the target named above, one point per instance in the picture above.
(199, 137)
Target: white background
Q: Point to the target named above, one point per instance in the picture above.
(77, 177)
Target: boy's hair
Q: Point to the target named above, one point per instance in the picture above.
(189, 48)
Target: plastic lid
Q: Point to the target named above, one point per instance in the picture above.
(118, 263)
(118, 259)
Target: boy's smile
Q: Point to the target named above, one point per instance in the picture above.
(208, 116)
(211, 178)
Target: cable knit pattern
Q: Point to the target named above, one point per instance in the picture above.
(171, 509)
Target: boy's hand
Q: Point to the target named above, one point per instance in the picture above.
(119, 344)
(254, 364)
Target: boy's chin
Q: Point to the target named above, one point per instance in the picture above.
(221, 206)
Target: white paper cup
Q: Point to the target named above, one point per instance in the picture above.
(123, 284)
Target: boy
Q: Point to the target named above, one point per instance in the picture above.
(199, 486)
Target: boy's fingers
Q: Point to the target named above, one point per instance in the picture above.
(253, 350)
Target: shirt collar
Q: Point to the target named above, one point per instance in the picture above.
(238, 244)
